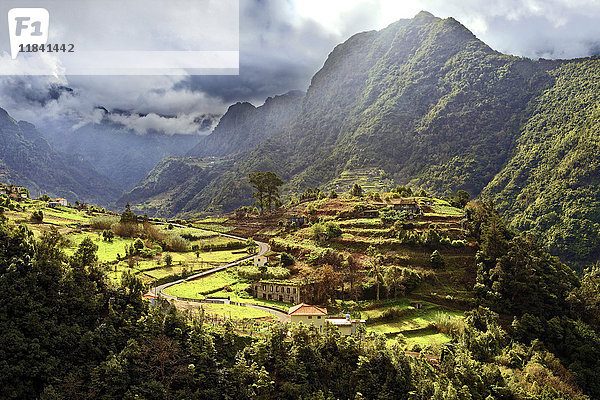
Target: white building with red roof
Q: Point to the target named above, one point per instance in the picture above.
(308, 315)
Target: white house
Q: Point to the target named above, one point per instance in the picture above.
(346, 325)
(308, 315)
(260, 261)
(62, 202)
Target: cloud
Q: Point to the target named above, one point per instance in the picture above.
(282, 44)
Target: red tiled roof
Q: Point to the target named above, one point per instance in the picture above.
(307, 309)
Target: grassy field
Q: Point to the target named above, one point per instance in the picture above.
(427, 337)
(416, 320)
(203, 286)
(107, 251)
(232, 311)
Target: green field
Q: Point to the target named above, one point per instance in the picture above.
(427, 337)
(418, 319)
(107, 251)
(232, 311)
(200, 287)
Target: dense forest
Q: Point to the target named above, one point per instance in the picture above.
(433, 107)
(67, 333)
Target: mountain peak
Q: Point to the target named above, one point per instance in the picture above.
(425, 15)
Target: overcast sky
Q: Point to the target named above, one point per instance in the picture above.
(282, 44)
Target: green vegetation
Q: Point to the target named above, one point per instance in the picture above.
(551, 186)
(201, 287)
(232, 311)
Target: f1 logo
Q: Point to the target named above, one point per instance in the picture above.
(27, 26)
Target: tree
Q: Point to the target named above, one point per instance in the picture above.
(394, 279)
(86, 253)
(356, 191)
(37, 216)
(376, 271)
(108, 235)
(168, 260)
(286, 260)
(266, 185)
(352, 270)
(460, 199)
(128, 216)
(436, 259)
(333, 194)
(251, 246)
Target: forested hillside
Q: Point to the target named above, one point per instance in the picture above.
(551, 186)
(434, 107)
(27, 159)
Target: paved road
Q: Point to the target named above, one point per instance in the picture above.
(263, 248)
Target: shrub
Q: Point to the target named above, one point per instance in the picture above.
(436, 259)
(175, 242)
(253, 273)
(37, 216)
(108, 235)
(286, 259)
(128, 229)
(318, 231)
(103, 222)
(231, 245)
(459, 243)
(333, 230)
(151, 232)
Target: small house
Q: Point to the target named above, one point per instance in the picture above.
(346, 325)
(53, 204)
(308, 315)
(409, 205)
(259, 261)
(61, 201)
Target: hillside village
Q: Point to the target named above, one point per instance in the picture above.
(368, 263)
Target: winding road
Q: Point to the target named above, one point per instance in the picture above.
(263, 248)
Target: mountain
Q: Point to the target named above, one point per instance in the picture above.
(27, 159)
(434, 107)
(551, 185)
(119, 153)
(244, 126)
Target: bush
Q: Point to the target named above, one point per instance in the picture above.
(253, 273)
(459, 243)
(231, 245)
(318, 232)
(37, 216)
(103, 222)
(286, 260)
(128, 229)
(333, 230)
(437, 261)
(175, 242)
(108, 235)
(152, 233)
